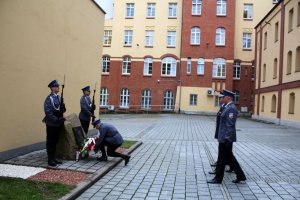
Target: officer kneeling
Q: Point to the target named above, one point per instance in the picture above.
(108, 136)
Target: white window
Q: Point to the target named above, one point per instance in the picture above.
(106, 64)
(236, 96)
(168, 100)
(247, 40)
(148, 66)
(146, 100)
(196, 7)
(151, 9)
(126, 68)
(195, 35)
(219, 68)
(128, 38)
(217, 101)
(236, 70)
(221, 7)
(275, 1)
(149, 40)
(200, 66)
(107, 37)
(129, 10)
(171, 39)
(248, 11)
(172, 10)
(104, 97)
(168, 67)
(193, 99)
(220, 36)
(189, 66)
(124, 98)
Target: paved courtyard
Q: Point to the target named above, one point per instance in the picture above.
(174, 161)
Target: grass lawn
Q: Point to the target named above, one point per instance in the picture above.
(128, 143)
(17, 189)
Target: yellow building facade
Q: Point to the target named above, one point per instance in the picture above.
(41, 41)
(278, 65)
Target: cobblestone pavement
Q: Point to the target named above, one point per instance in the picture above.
(174, 161)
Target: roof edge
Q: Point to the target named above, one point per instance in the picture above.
(267, 15)
(98, 6)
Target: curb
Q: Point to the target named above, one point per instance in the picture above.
(93, 178)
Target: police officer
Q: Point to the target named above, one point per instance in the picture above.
(108, 136)
(226, 137)
(54, 121)
(86, 109)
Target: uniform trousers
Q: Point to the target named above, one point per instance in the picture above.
(85, 125)
(219, 158)
(226, 156)
(53, 133)
(111, 150)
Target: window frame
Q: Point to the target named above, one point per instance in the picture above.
(146, 99)
(220, 36)
(189, 66)
(246, 38)
(248, 11)
(149, 38)
(128, 38)
(105, 64)
(237, 70)
(171, 37)
(172, 10)
(168, 100)
(104, 97)
(124, 98)
(126, 65)
(219, 70)
(197, 7)
(200, 66)
(107, 37)
(170, 65)
(193, 99)
(221, 6)
(151, 9)
(195, 35)
(148, 67)
(129, 14)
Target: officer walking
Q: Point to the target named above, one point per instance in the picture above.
(226, 137)
(108, 136)
(54, 121)
(86, 109)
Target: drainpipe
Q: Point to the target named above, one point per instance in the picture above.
(180, 54)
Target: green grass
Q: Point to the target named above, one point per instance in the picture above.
(128, 143)
(20, 189)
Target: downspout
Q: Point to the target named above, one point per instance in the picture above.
(180, 54)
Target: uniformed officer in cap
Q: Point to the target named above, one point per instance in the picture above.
(86, 109)
(54, 121)
(226, 137)
(108, 136)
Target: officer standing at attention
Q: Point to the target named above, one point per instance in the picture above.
(108, 136)
(54, 121)
(226, 137)
(86, 109)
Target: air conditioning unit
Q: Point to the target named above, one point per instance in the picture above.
(210, 92)
(110, 107)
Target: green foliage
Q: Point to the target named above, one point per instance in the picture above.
(128, 143)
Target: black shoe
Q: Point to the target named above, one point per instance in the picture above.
(237, 180)
(214, 181)
(229, 171)
(212, 172)
(214, 165)
(102, 158)
(58, 162)
(127, 160)
(52, 163)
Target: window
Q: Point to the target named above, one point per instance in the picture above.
(219, 68)
(106, 64)
(124, 98)
(289, 63)
(275, 68)
(196, 7)
(151, 10)
(236, 70)
(104, 97)
(221, 7)
(265, 40)
(252, 72)
(247, 40)
(193, 99)
(128, 38)
(276, 31)
(129, 10)
(168, 67)
(168, 100)
(107, 37)
(195, 35)
(275, 1)
(220, 36)
(171, 39)
(126, 68)
(172, 10)
(189, 66)
(146, 100)
(147, 66)
(273, 105)
(298, 15)
(297, 65)
(236, 97)
(149, 38)
(217, 101)
(264, 73)
(200, 66)
(292, 103)
(248, 11)
(291, 16)
(263, 104)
